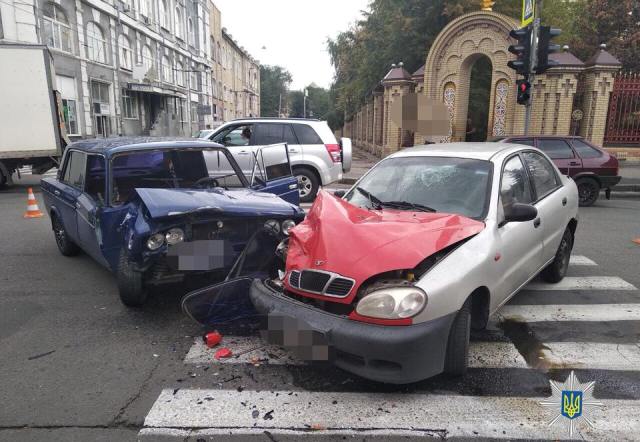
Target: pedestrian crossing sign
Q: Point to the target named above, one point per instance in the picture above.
(528, 10)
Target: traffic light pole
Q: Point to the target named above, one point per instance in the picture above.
(532, 64)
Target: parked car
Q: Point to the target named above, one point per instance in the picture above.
(158, 211)
(317, 158)
(429, 243)
(591, 167)
(204, 133)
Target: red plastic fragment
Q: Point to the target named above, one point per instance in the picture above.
(212, 339)
(224, 352)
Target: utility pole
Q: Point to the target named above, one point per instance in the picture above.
(280, 106)
(532, 64)
(304, 104)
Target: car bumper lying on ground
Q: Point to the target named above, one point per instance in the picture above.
(394, 354)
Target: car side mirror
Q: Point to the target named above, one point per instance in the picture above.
(339, 193)
(518, 212)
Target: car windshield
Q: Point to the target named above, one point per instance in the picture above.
(172, 169)
(439, 184)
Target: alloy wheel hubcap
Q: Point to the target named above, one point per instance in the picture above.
(304, 185)
(586, 192)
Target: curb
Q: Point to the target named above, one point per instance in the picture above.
(626, 188)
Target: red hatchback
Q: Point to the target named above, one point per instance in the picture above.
(591, 167)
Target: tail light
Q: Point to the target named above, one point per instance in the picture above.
(334, 152)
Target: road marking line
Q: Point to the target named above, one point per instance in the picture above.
(579, 260)
(584, 283)
(251, 349)
(591, 355)
(509, 417)
(571, 312)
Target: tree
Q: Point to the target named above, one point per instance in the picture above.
(274, 86)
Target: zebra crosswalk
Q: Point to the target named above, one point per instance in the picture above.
(545, 331)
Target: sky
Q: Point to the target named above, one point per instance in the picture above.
(291, 33)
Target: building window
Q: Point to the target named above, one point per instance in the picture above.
(101, 107)
(192, 35)
(179, 24)
(145, 8)
(194, 112)
(183, 110)
(56, 31)
(164, 16)
(67, 88)
(126, 55)
(96, 44)
(147, 58)
(129, 104)
(167, 72)
(180, 73)
(193, 79)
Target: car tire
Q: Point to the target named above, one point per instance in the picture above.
(130, 283)
(588, 191)
(457, 356)
(308, 184)
(66, 246)
(557, 270)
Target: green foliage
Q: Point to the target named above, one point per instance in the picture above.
(274, 83)
(317, 102)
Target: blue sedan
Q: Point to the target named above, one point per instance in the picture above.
(158, 211)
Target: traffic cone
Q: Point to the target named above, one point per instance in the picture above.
(32, 206)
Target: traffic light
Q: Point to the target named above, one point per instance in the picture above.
(546, 47)
(524, 91)
(522, 50)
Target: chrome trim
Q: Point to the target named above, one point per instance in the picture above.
(332, 276)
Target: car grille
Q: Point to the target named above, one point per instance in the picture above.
(321, 282)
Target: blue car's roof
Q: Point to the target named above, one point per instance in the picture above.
(110, 146)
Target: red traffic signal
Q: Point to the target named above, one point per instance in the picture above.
(524, 91)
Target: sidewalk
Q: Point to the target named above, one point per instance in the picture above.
(630, 181)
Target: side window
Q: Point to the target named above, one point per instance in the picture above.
(544, 176)
(75, 169)
(525, 141)
(269, 134)
(555, 148)
(584, 150)
(95, 182)
(289, 136)
(306, 134)
(515, 187)
(235, 136)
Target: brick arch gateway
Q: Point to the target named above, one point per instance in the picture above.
(447, 71)
(571, 88)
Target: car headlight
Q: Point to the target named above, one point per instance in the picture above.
(174, 236)
(155, 241)
(287, 225)
(393, 303)
(272, 225)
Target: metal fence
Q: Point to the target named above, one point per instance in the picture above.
(623, 119)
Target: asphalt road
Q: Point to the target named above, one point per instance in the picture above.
(78, 365)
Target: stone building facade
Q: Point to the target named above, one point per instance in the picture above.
(572, 89)
(124, 67)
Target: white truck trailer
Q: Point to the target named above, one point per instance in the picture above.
(32, 130)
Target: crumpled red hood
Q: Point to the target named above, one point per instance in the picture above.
(359, 243)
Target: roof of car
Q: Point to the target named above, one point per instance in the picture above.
(276, 120)
(113, 145)
(479, 151)
(539, 136)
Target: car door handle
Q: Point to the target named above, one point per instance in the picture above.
(536, 223)
(293, 150)
(573, 163)
(564, 201)
(243, 152)
(78, 205)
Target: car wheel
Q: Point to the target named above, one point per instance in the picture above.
(308, 184)
(130, 283)
(64, 243)
(457, 356)
(588, 191)
(557, 270)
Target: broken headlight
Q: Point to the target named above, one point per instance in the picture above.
(393, 303)
(155, 241)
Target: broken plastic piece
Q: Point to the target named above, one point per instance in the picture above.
(224, 352)
(212, 339)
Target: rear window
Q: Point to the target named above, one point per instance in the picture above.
(555, 148)
(525, 141)
(584, 150)
(274, 133)
(306, 134)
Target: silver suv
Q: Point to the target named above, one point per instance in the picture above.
(317, 159)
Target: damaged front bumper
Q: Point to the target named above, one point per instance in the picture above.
(397, 355)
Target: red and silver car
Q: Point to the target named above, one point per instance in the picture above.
(387, 280)
(591, 167)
